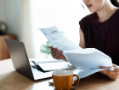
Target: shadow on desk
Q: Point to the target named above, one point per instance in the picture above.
(98, 81)
(16, 81)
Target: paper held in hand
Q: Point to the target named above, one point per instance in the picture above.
(90, 58)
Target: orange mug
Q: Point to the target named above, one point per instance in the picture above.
(63, 79)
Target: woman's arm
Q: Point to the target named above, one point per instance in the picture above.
(82, 40)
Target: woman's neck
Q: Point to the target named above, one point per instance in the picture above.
(106, 12)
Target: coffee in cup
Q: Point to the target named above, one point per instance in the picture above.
(63, 79)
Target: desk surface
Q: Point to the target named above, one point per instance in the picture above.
(12, 80)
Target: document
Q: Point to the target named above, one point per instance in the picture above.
(89, 59)
(57, 39)
(84, 73)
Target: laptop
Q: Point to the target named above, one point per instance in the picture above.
(22, 63)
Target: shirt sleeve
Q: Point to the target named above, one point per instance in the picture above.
(84, 24)
(81, 23)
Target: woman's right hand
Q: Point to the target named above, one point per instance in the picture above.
(57, 54)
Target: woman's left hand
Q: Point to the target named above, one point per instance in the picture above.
(111, 74)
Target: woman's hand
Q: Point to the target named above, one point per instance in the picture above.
(57, 54)
(111, 74)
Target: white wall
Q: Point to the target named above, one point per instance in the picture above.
(15, 13)
(10, 13)
(13, 17)
(2, 13)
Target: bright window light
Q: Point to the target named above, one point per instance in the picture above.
(65, 14)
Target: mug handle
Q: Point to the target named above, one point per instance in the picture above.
(77, 81)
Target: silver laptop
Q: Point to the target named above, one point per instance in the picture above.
(21, 62)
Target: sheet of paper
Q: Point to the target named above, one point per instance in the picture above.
(54, 66)
(86, 72)
(57, 39)
(82, 51)
(90, 59)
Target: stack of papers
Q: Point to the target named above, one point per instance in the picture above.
(89, 59)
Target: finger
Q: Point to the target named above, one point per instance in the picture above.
(60, 57)
(103, 72)
(113, 75)
(116, 69)
(57, 55)
(51, 47)
(102, 67)
(114, 65)
(57, 52)
(54, 50)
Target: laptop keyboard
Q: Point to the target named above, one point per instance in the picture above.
(39, 74)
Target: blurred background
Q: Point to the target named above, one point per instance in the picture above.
(23, 18)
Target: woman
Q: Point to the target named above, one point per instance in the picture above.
(99, 30)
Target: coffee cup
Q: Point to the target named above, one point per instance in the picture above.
(63, 79)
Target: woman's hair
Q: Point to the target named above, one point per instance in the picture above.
(115, 2)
